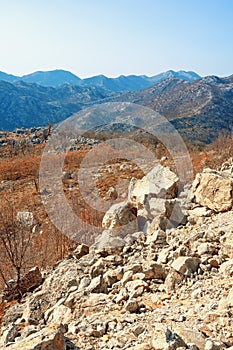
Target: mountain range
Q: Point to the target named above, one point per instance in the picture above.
(26, 105)
(199, 109)
(123, 83)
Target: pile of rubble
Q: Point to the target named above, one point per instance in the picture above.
(36, 136)
(160, 276)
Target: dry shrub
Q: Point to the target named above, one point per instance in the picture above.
(213, 155)
(23, 247)
(15, 169)
(16, 238)
(220, 150)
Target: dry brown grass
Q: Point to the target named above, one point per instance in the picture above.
(19, 180)
(213, 155)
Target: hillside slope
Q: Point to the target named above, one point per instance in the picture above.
(199, 109)
(27, 105)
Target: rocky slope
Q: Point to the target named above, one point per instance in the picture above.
(31, 105)
(148, 282)
(198, 109)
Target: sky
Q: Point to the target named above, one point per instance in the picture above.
(116, 37)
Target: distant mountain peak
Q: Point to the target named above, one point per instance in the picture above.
(51, 78)
(212, 79)
(8, 77)
(123, 83)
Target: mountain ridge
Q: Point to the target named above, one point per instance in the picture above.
(199, 110)
(58, 77)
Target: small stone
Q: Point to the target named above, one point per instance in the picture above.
(85, 281)
(128, 275)
(192, 346)
(186, 265)
(154, 271)
(132, 305)
(121, 296)
(97, 285)
(214, 263)
(120, 218)
(136, 288)
(203, 249)
(173, 279)
(81, 250)
(138, 330)
(119, 326)
(181, 318)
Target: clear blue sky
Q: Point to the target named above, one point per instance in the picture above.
(114, 37)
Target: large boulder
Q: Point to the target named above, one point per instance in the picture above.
(51, 338)
(153, 196)
(213, 189)
(160, 182)
(107, 244)
(151, 200)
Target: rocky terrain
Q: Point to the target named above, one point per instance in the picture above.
(160, 276)
(198, 109)
(20, 138)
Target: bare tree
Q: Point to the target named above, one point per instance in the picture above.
(16, 238)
